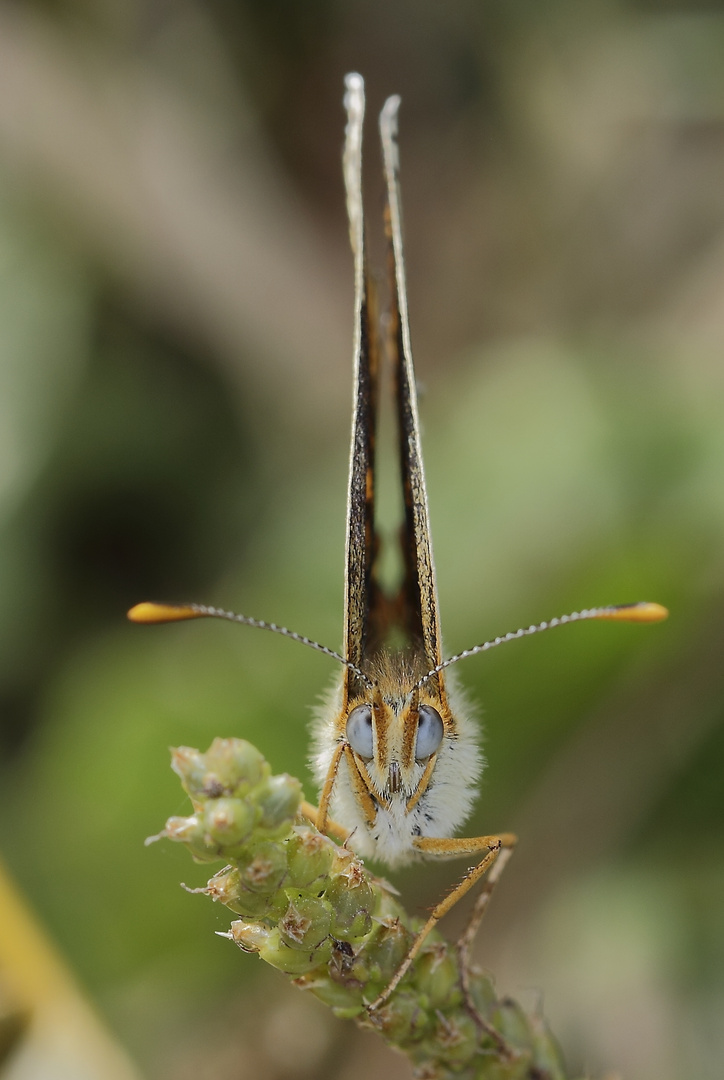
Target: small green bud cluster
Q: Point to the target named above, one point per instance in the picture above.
(309, 908)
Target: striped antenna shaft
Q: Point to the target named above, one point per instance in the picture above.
(160, 613)
(639, 612)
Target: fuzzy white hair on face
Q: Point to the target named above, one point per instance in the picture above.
(442, 809)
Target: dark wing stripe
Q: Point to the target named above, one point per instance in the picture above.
(419, 567)
(360, 504)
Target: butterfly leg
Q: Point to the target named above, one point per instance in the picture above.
(469, 934)
(493, 846)
(331, 828)
(322, 817)
(319, 815)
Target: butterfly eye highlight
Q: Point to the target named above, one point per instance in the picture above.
(429, 732)
(359, 731)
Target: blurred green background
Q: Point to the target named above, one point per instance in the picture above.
(175, 363)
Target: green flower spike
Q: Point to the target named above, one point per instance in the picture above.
(309, 908)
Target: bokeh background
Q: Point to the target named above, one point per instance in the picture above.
(175, 358)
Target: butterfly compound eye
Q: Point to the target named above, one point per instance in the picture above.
(429, 732)
(359, 731)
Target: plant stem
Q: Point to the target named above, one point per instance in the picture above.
(309, 907)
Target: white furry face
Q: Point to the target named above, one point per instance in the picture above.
(434, 795)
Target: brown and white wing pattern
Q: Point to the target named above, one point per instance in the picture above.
(419, 593)
(361, 538)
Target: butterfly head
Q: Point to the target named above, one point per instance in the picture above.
(395, 729)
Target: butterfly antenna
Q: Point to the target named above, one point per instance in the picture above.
(148, 612)
(642, 612)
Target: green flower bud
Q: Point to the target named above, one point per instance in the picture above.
(343, 857)
(276, 952)
(400, 1019)
(227, 887)
(183, 830)
(352, 900)
(519, 1067)
(249, 935)
(306, 921)
(389, 943)
(264, 868)
(483, 995)
(511, 1022)
(233, 767)
(228, 822)
(387, 902)
(457, 1036)
(309, 856)
(344, 1004)
(191, 832)
(259, 906)
(190, 765)
(229, 767)
(546, 1051)
(437, 975)
(278, 799)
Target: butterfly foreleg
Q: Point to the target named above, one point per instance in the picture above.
(319, 816)
(331, 828)
(495, 848)
(322, 818)
(466, 939)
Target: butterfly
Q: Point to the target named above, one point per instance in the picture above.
(396, 748)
